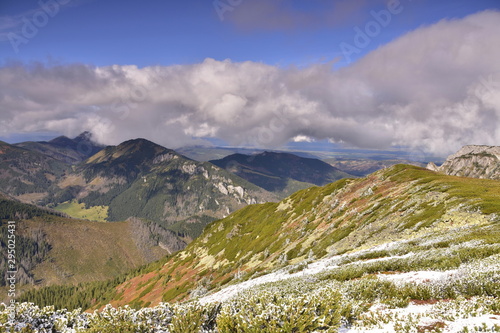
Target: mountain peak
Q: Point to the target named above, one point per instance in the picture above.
(84, 136)
(62, 140)
(135, 154)
(139, 141)
(477, 150)
(143, 147)
(476, 161)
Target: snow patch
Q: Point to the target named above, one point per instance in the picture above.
(419, 276)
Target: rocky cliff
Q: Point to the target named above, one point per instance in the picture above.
(472, 161)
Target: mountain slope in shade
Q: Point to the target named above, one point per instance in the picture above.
(472, 161)
(281, 172)
(26, 174)
(402, 203)
(53, 249)
(139, 178)
(64, 149)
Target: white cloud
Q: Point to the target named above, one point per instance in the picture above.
(436, 88)
(302, 138)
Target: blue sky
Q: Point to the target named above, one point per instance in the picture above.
(159, 32)
(367, 73)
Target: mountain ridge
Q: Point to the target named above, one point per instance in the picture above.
(27, 175)
(64, 149)
(135, 179)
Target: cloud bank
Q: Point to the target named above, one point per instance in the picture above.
(436, 88)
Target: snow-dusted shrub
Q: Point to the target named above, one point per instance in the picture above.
(270, 312)
(193, 317)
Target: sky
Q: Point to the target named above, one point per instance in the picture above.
(366, 73)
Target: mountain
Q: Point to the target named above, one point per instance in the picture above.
(27, 175)
(280, 172)
(64, 149)
(207, 153)
(54, 249)
(410, 217)
(472, 161)
(139, 178)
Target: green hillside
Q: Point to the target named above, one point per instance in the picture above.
(78, 210)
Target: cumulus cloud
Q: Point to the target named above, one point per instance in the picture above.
(436, 88)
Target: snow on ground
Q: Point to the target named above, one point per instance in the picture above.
(419, 276)
(388, 327)
(316, 267)
(485, 322)
(231, 291)
(427, 315)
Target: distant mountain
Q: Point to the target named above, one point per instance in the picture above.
(363, 167)
(27, 175)
(139, 178)
(64, 149)
(474, 161)
(281, 172)
(205, 154)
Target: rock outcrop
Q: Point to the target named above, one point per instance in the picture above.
(472, 161)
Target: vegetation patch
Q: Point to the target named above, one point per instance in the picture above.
(79, 211)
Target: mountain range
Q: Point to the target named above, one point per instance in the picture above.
(139, 178)
(354, 234)
(158, 199)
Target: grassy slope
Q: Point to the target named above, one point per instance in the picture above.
(78, 210)
(399, 203)
(85, 251)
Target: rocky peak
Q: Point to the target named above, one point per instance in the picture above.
(474, 161)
